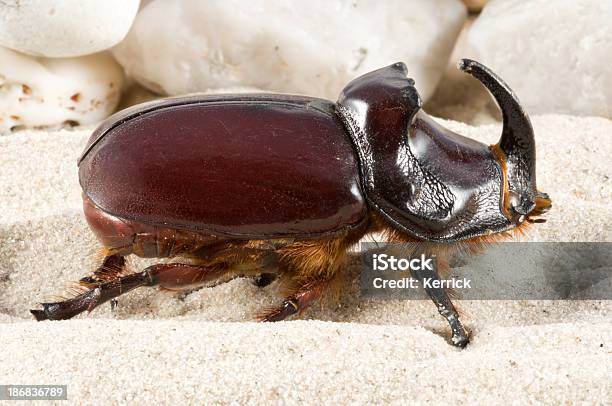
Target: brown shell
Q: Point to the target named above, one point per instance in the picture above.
(248, 166)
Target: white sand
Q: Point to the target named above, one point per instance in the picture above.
(204, 348)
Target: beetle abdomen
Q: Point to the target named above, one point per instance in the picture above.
(252, 166)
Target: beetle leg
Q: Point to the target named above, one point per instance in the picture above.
(260, 256)
(264, 279)
(325, 286)
(170, 276)
(297, 302)
(439, 296)
(111, 268)
(262, 262)
(316, 268)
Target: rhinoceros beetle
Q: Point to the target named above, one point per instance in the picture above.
(267, 185)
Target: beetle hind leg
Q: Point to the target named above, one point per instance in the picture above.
(110, 280)
(95, 293)
(113, 267)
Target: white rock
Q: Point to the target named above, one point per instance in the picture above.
(292, 46)
(48, 92)
(64, 28)
(556, 58)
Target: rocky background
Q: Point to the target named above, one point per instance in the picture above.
(74, 62)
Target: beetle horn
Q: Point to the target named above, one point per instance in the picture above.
(517, 140)
(517, 136)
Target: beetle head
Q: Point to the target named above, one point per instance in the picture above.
(516, 149)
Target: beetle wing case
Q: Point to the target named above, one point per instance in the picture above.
(424, 179)
(245, 166)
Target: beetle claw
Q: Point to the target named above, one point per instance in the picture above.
(460, 338)
(39, 315)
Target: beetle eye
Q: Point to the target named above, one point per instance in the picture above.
(517, 208)
(514, 200)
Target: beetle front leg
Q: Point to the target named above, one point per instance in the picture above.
(460, 336)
